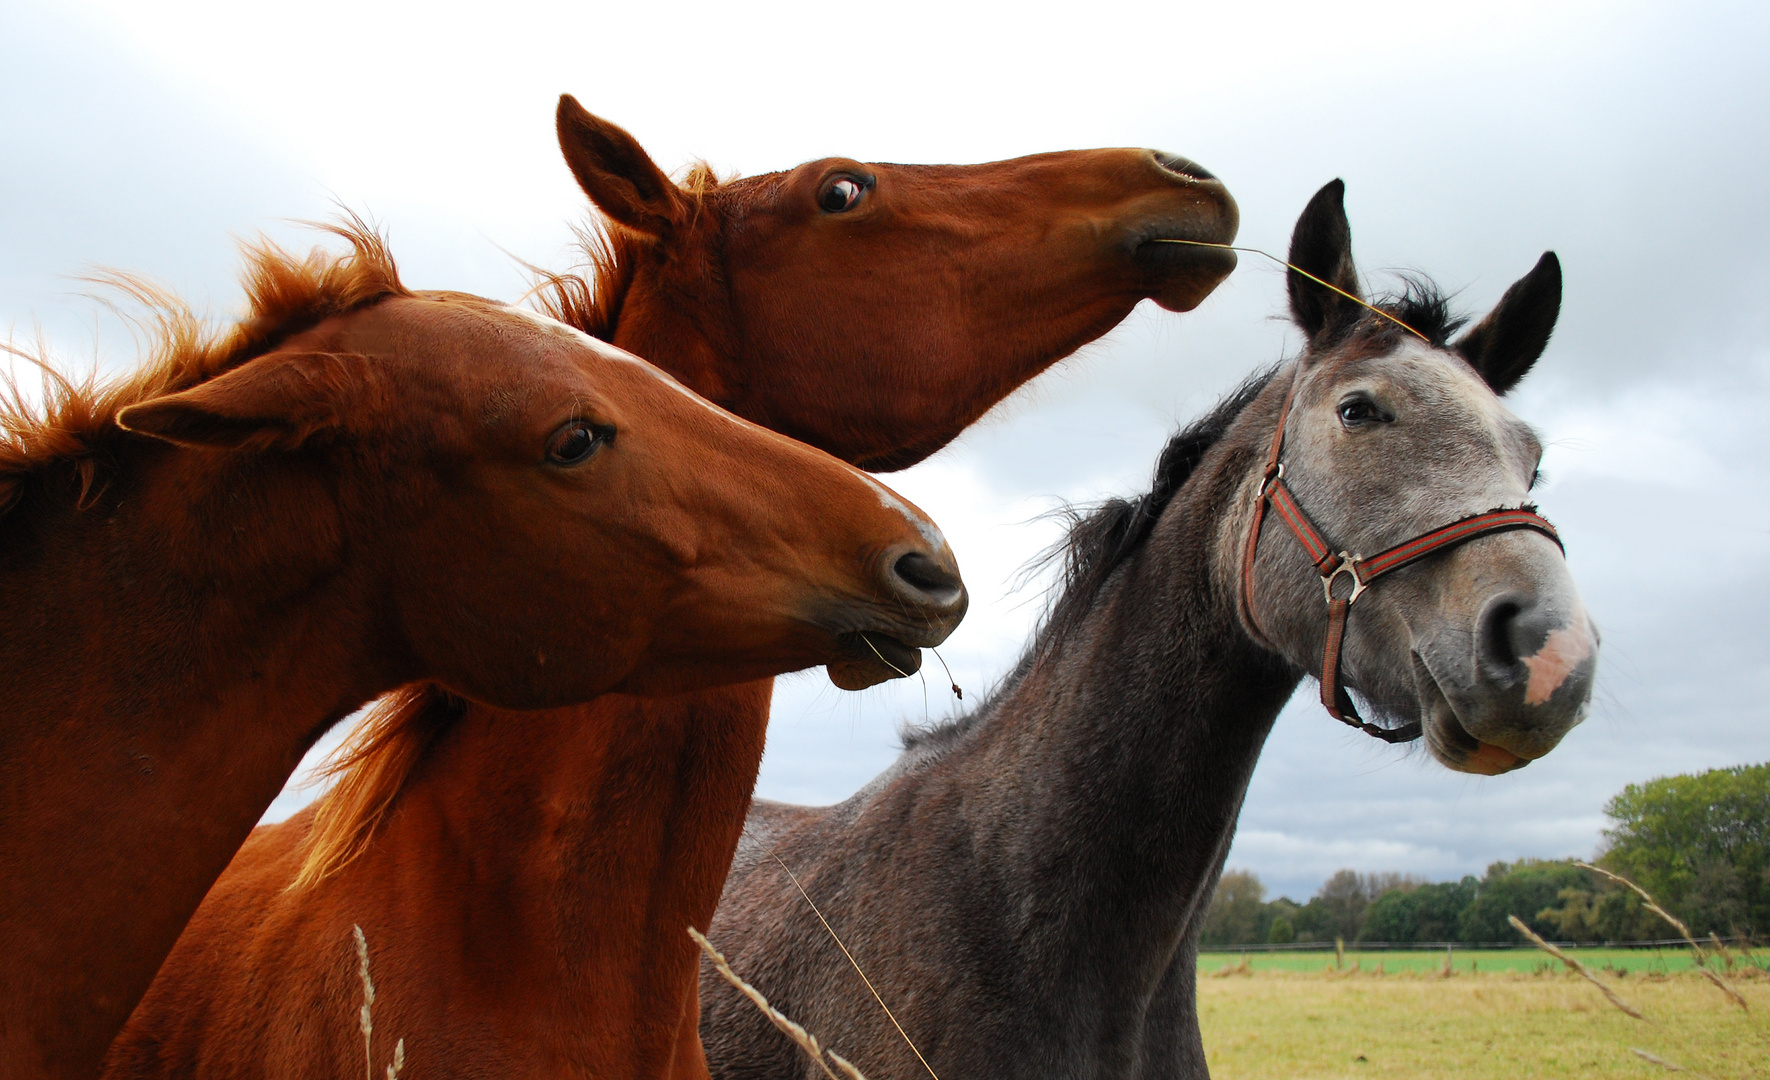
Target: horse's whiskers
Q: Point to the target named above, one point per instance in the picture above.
(1307, 274)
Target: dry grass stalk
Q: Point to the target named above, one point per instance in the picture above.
(1647, 899)
(366, 1018)
(1721, 949)
(1725, 988)
(846, 1066)
(1655, 1059)
(1702, 960)
(1575, 966)
(805, 1040)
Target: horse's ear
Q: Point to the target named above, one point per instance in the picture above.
(1321, 244)
(274, 402)
(616, 172)
(1503, 346)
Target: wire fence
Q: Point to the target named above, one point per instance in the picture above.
(1739, 942)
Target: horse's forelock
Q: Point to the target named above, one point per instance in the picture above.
(1420, 305)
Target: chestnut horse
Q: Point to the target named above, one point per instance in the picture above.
(525, 896)
(1026, 886)
(204, 566)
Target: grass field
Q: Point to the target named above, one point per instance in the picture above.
(1495, 1025)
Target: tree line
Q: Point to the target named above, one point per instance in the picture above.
(1700, 844)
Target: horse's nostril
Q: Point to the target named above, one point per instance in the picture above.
(1498, 644)
(1510, 631)
(926, 577)
(1183, 166)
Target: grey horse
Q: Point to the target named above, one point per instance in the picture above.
(1025, 886)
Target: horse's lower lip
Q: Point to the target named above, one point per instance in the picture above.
(1491, 760)
(872, 658)
(1476, 756)
(1179, 253)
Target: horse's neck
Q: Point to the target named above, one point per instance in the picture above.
(163, 666)
(604, 831)
(685, 327)
(1133, 741)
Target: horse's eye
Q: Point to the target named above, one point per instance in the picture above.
(1360, 411)
(841, 195)
(577, 442)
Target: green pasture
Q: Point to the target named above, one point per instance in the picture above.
(1495, 1025)
(1624, 962)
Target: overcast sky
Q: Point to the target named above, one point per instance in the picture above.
(1631, 138)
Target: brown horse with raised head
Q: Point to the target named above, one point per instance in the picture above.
(876, 310)
(206, 565)
(525, 896)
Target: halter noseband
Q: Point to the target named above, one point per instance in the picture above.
(1357, 571)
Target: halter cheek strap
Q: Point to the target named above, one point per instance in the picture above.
(1345, 576)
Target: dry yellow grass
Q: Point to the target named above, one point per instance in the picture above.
(1480, 1027)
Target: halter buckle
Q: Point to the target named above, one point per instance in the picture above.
(1268, 481)
(1348, 565)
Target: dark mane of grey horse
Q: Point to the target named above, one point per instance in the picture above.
(1100, 539)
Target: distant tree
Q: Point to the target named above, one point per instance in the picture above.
(1600, 911)
(1343, 899)
(1420, 913)
(1523, 888)
(1700, 844)
(1280, 932)
(1338, 909)
(1234, 917)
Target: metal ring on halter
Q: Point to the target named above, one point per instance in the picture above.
(1349, 566)
(1268, 481)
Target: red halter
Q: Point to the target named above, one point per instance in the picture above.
(1357, 570)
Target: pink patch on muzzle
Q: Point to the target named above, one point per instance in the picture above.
(1563, 652)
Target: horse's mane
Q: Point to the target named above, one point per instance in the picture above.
(374, 764)
(75, 426)
(371, 768)
(1101, 539)
(591, 300)
(1098, 541)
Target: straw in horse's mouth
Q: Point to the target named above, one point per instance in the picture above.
(1164, 251)
(906, 660)
(873, 657)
